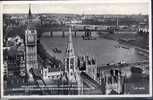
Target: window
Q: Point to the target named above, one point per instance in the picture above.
(72, 61)
(71, 66)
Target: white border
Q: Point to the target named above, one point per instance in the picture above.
(75, 1)
(78, 96)
(150, 46)
(1, 51)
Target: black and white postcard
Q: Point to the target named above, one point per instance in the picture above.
(76, 49)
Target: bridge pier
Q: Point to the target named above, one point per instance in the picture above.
(51, 34)
(63, 34)
(84, 28)
(96, 28)
(75, 33)
(87, 33)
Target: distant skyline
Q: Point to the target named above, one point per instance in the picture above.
(81, 8)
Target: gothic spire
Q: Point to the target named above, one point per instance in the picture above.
(30, 24)
(70, 49)
(30, 14)
(70, 35)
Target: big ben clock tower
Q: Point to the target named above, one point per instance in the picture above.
(31, 46)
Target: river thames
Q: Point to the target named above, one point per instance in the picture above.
(103, 50)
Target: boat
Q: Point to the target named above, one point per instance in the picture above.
(136, 70)
(124, 47)
(88, 38)
(116, 46)
(56, 50)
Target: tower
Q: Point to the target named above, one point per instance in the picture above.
(71, 73)
(30, 46)
(117, 23)
(114, 82)
(70, 66)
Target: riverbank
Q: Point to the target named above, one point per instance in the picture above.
(134, 40)
(47, 59)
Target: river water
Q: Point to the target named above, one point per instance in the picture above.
(103, 50)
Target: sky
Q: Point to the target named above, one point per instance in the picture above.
(79, 7)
